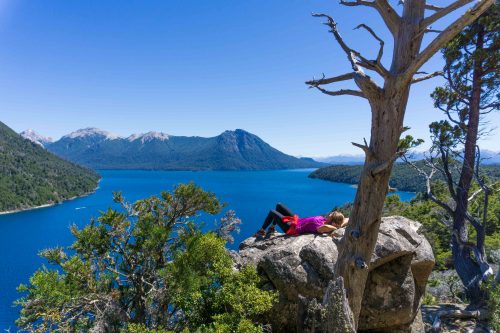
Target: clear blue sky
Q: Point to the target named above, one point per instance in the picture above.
(189, 67)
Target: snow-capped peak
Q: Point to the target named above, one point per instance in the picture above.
(149, 136)
(91, 131)
(35, 137)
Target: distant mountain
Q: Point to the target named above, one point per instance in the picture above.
(488, 157)
(31, 176)
(148, 137)
(231, 150)
(342, 159)
(348, 159)
(36, 138)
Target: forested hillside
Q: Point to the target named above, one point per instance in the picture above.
(404, 177)
(31, 176)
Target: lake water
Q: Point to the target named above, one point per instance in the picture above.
(251, 194)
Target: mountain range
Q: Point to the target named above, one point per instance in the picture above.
(231, 150)
(31, 176)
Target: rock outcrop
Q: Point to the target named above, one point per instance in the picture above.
(300, 268)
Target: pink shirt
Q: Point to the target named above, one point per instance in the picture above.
(310, 224)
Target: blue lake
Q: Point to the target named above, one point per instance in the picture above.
(251, 194)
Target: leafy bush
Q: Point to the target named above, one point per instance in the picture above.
(146, 268)
(429, 299)
(493, 302)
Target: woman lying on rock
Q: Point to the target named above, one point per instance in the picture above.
(292, 225)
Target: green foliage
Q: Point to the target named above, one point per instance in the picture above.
(245, 299)
(444, 134)
(403, 177)
(31, 176)
(141, 328)
(493, 302)
(407, 143)
(471, 55)
(430, 215)
(428, 299)
(434, 220)
(145, 268)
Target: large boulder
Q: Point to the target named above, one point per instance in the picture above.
(300, 268)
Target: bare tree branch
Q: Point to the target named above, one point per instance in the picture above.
(323, 80)
(355, 57)
(357, 3)
(427, 6)
(473, 195)
(364, 82)
(364, 147)
(370, 30)
(404, 129)
(432, 7)
(351, 54)
(428, 178)
(449, 32)
(444, 11)
(373, 66)
(426, 77)
(351, 92)
(456, 314)
(391, 18)
(428, 30)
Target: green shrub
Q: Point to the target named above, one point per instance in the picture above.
(493, 301)
(428, 299)
(146, 268)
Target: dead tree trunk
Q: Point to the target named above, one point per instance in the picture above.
(388, 105)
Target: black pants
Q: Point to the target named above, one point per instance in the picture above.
(275, 216)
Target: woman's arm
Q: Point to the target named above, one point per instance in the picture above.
(326, 229)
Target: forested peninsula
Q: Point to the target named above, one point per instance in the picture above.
(403, 178)
(30, 176)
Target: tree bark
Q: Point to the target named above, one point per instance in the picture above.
(386, 128)
(467, 267)
(355, 254)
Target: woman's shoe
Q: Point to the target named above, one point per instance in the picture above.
(260, 233)
(270, 232)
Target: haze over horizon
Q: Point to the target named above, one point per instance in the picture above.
(193, 69)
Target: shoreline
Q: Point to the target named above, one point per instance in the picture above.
(355, 185)
(15, 211)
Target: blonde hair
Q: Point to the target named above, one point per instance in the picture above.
(337, 217)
